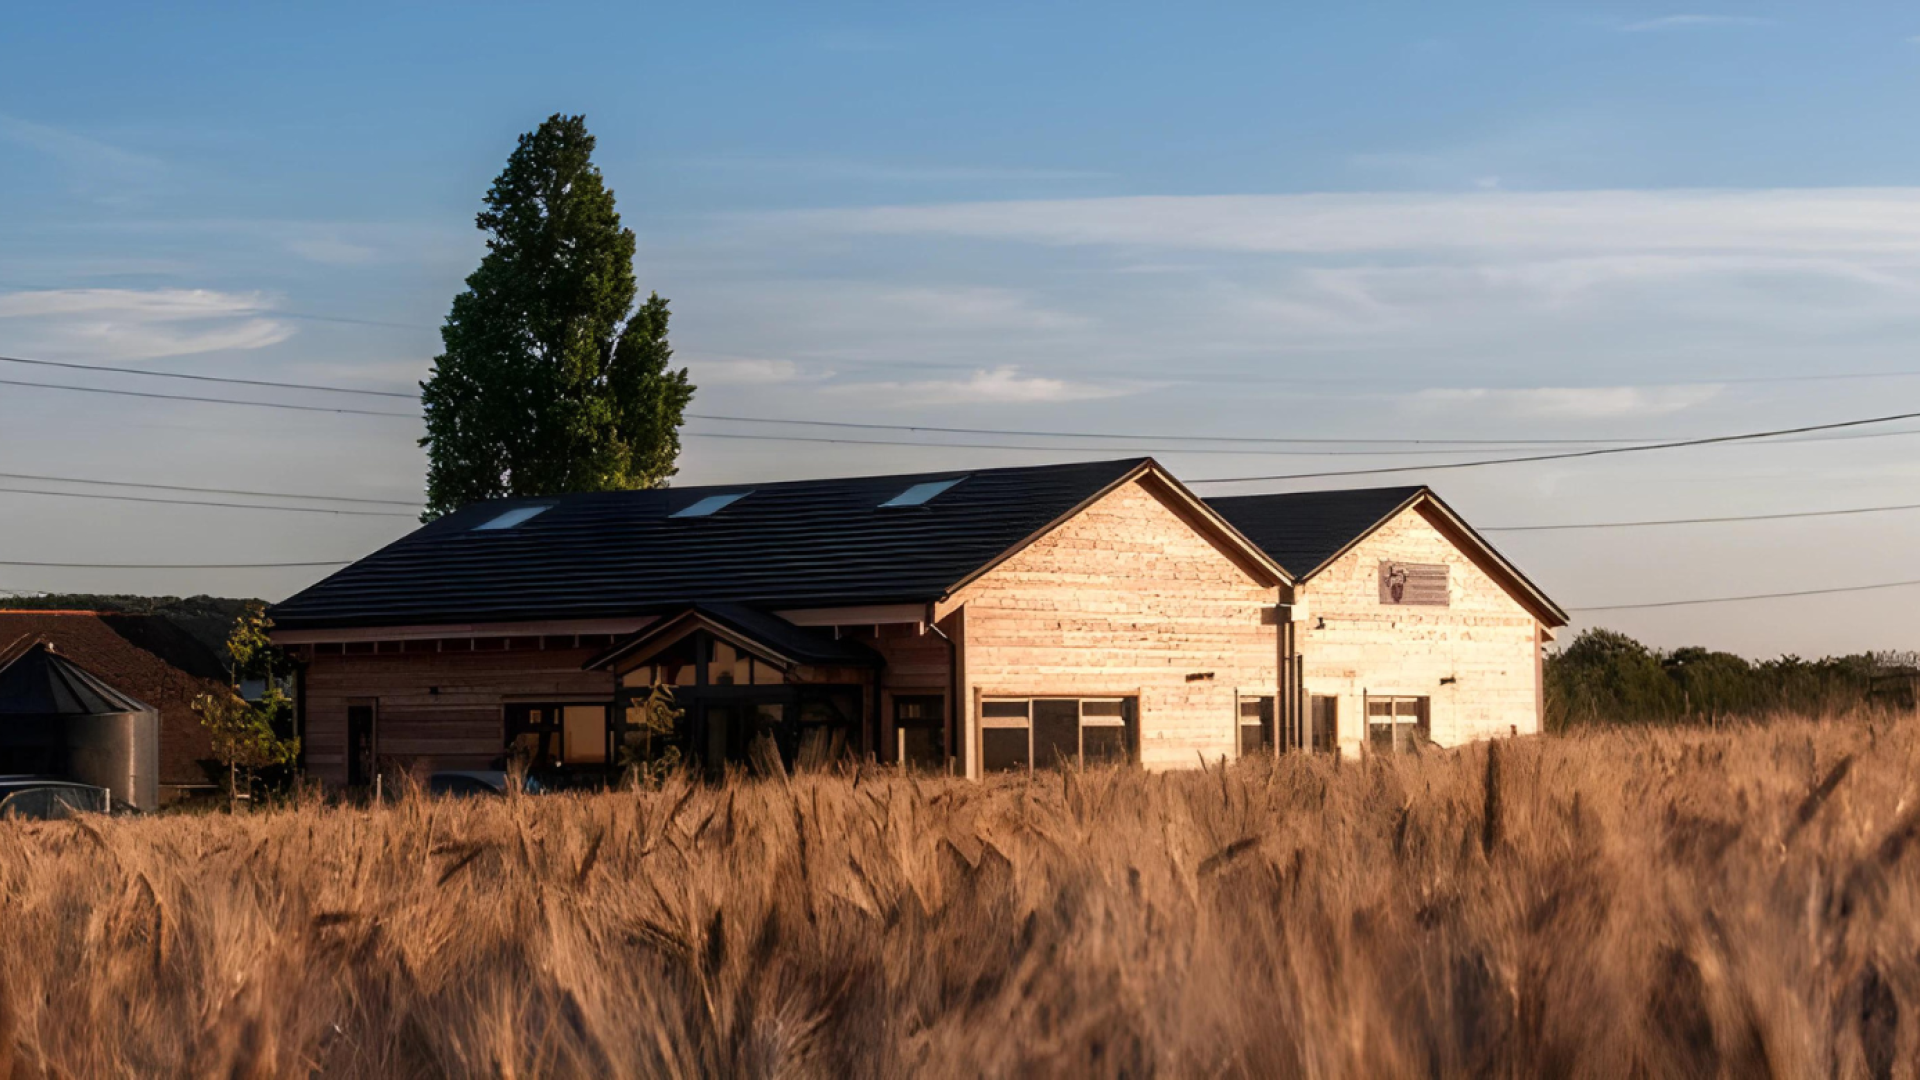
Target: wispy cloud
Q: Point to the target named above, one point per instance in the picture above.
(1826, 220)
(1002, 385)
(129, 324)
(1566, 402)
(976, 306)
(1681, 22)
(747, 371)
(96, 171)
(331, 243)
(75, 150)
(848, 169)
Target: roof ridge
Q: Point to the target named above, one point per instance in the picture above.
(756, 485)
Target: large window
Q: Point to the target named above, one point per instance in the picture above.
(1256, 726)
(1396, 725)
(544, 735)
(1026, 733)
(920, 730)
(678, 665)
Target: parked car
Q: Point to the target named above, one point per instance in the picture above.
(460, 783)
(46, 798)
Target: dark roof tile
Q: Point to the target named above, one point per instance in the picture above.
(805, 543)
(1302, 530)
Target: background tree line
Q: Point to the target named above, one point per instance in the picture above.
(1607, 677)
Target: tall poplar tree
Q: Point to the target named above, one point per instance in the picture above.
(552, 380)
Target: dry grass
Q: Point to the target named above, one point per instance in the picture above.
(1675, 904)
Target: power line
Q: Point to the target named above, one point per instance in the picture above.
(1700, 520)
(177, 566)
(209, 378)
(1158, 376)
(1466, 445)
(209, 400)
(1623, 445)
(846, 425)
(1260, 440)
(202, 490)
(1743, 599)
(1167, 450)
(1566, 455)
(1141, 437)
(203, 502)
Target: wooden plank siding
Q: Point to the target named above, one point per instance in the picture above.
(1483, 639)
(1125, 598)
(435, 711)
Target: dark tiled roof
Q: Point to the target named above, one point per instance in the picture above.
(807, 543)
(1302, 530)
(40, 682)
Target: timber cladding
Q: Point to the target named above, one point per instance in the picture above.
(1125, 598)
(1472, 651)
(439, 711)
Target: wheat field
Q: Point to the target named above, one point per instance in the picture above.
(1739, 902)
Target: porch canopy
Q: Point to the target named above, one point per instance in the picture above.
(760, 633)
(746, 682)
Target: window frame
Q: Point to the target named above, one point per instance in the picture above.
(512, 518)
(921, 494)
(1404, 735)
(1266, 722)
(1127, 719)
(708, 505)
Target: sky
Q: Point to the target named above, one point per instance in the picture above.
(1602, 221)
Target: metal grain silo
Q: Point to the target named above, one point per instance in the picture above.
(58, 719)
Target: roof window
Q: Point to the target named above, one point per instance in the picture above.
(513, 517)
(711, 505)
(920, 494)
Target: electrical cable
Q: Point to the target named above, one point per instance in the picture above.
(1743, 599)
(1571, 454)
(1699, 520)
(203, 502)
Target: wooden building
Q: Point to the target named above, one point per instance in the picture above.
(1403, 616)
(965, 622)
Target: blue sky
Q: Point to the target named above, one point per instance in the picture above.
(1403, 220)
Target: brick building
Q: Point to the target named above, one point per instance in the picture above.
(145, 657)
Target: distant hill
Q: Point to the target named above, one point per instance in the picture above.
(207, 619)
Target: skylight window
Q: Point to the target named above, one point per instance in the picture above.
(711, 505)
(512, 517)
(919, 494)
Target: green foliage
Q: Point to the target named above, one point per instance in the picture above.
(243, 736)
(248, 736)
(1607, 677)
(552, 380)
(251, 649)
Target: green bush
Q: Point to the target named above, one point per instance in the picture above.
(1605, 676)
